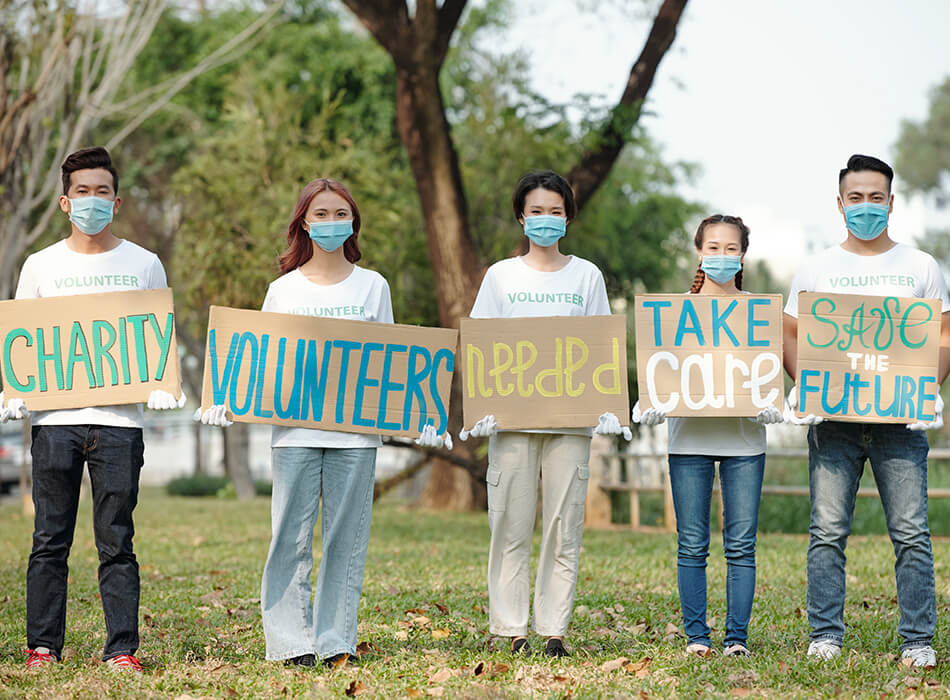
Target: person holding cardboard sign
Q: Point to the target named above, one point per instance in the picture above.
(543, 282)
(869, 262)
(320, 468)
(106, 438)
(696, 444)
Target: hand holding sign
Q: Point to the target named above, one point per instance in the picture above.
(216, 415)
(485, 427)
(609, 424)
(936, 423)
(791, 411)
(649, 417)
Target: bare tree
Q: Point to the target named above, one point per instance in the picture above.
(418, 44)
(60, 72)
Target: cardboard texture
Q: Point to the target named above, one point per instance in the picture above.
(89, 349)
(332, 374)
(709, 355)
(868, 359)
(551, 372)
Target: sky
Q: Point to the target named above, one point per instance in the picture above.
(769, 97)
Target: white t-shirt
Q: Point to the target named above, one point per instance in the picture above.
(902, 271)
(58, 271)
(363, 296)
(513, 289)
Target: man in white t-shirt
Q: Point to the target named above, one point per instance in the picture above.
(107, 438)
(869, 262)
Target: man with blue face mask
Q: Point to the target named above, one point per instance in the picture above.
(869, 263)
(108, 439)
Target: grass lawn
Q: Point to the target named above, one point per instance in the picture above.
(424, 622)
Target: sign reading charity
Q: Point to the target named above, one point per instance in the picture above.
(868, 359)
(89, 350)
(551, 372)
(332, 374)
(709, 354)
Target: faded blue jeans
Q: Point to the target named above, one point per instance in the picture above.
(343, 480)
(837, 452)
(691, 480)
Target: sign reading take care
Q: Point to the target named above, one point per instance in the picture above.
(89, 350)
(708, 354)
(551, 372)
(333, 374)
(868, 359)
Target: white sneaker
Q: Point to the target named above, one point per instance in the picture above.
(824, 649)
(737, 649)
(697, 649)
(923, 657)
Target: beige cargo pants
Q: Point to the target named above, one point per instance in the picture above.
(516, 462)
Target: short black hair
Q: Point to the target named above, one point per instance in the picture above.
(858, 163)
(88, 159)
(547, 180)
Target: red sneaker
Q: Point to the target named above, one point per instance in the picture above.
(125, 661)
(37, 659)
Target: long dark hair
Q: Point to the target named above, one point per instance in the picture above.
(698, 241)
(299, 246)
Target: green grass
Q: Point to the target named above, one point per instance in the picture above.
(201, 561)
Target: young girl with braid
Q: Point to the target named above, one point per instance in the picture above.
(695, 445)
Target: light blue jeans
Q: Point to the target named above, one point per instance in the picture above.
(837, 452)
(691, 480)
(343, 480)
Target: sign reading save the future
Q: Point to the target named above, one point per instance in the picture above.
(551, 372)
(868, 359)
(332, 374)
(709, 354)
(89, 350)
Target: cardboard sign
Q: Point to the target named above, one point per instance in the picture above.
(551, 372)
(89, 349)
(868, 359)
(709, 354)
(332, 374)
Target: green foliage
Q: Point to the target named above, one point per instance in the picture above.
(923, 148)
(424, 609)
(197, 485)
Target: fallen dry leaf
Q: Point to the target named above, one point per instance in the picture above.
(671, 629)
(441, 676)
(436, 692)
(444, 609)
(340, 662)
(479, 669)
(413, 693)
(614, 664)
(355, 688)
(641, 668)
(500, 668)
(741, 692)
(441, 633)
(401, 635)
(364, 648)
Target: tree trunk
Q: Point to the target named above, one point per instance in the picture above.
(236, 460)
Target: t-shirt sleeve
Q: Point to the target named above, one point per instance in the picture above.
(487, 304)
(28, 285)
(383, 313)
(798, 285)
(156, 275)
(935, 286)
(597, 302)
(270, 300)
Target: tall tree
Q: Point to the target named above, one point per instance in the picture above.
(418, 44)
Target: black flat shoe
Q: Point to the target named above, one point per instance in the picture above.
(555, 649)
(304, 660)
(336, 660)
(521, 646)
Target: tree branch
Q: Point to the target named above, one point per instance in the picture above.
(448, 19)
(594, 167)
(388, 22)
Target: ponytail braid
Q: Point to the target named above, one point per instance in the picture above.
(739, 279)
(698, 280)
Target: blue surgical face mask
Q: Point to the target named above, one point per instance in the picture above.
(330, 235)
(545, 230)
(866, 220)
(721, 268)
(91, 214)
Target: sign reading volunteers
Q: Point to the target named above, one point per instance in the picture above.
(89, 350)
(332, 374)
(868, 359)
(548, 372)
(709, 354)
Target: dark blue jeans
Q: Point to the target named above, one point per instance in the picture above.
(837, 453)
(115, 457)
(691, 480)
